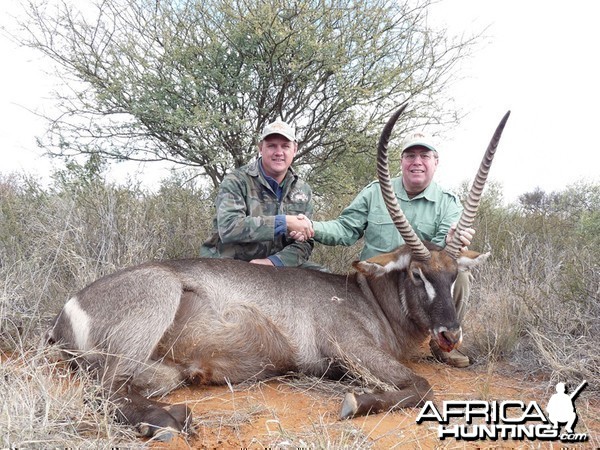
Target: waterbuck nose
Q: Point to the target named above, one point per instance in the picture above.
(449, 339)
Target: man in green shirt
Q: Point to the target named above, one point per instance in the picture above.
(431, 210)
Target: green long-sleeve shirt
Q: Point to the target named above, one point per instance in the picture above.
(430, 213)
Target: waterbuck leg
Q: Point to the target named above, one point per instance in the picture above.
(152, 418)
(360, 405)
(406, 389)
(181, 413)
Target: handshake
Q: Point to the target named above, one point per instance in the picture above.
(299, 227)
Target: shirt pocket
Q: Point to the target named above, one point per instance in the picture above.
(381, 233)
(425, 231)
(263, 204)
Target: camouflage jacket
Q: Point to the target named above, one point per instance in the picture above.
(244, 224)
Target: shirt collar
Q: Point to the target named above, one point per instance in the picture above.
(428, 194)
(272, 181)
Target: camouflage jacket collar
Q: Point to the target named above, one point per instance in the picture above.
(253, 170)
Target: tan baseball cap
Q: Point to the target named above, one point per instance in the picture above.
(279, 127)
(420, 139)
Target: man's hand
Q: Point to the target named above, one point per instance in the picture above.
(299, 227)
(465, 236)
(262, 261)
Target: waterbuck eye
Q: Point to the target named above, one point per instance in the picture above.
(417, 275)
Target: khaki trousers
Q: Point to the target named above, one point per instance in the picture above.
(462, 290)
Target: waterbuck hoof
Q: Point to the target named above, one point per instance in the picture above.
(165, 435)
(182, 414)
(164, 423)
(349, 406)
(156, 433)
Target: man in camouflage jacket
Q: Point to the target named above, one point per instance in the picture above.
(257, 207)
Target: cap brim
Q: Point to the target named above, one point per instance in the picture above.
(419, 144)
(285, 135)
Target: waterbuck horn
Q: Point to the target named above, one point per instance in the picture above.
(419, 251)
(472, 202)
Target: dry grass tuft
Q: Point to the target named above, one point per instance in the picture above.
(522, 312)
(45, 405)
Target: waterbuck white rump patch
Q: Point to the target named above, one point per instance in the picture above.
(80, 323)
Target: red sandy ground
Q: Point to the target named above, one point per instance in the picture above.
(276, 415)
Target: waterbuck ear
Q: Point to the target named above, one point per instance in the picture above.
(381, 264)
(468, 259)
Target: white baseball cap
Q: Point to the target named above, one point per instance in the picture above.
(420, 139)
(279, 127)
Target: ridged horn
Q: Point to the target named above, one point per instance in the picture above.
(419, 251)
(472, 202)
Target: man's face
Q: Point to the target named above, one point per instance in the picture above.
(277, 155)
(418, 167)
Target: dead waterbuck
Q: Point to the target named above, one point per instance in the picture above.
(148, 329)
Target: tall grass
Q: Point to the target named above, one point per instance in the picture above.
(55, 241)
(535, 304)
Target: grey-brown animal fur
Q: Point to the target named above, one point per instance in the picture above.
(148, 329)
(152, 327)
